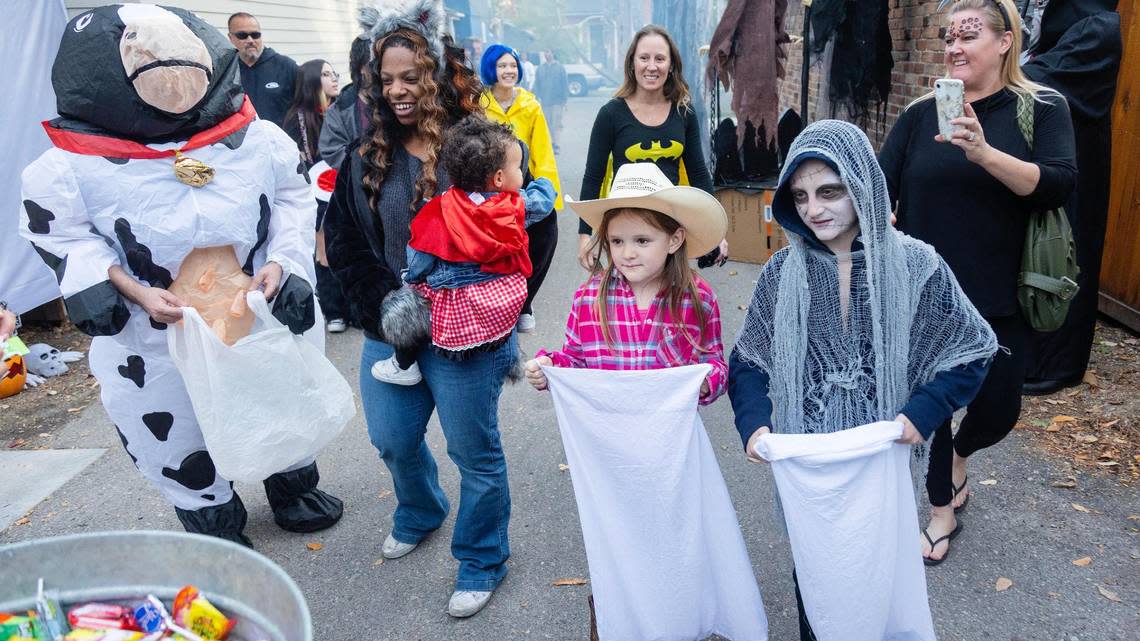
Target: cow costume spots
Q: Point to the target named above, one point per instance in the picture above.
(107, 196)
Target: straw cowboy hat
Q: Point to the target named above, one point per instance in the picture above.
(642, 185)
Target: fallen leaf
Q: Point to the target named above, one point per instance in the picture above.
(74, 409)
(1053, 427)
(558, 583)
(17, 443)
(378, 562)
(314, 546)
(52, 392)
(1003, 584)
(1056, 401)
(1107, 463)
(1083, 561)
(385, 494)
(1109, 344)
(1069, 483)
(1091, 379)
(562, 467)
(22, 521)
(1108, 594)
(988, 482)
(1080, 508)
(1064, 418)
(1109, 424)
(1134, 517)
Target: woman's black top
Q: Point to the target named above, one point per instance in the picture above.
(618, 133)
(974, 221)
(367, 250)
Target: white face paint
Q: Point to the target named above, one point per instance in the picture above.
(824, 205)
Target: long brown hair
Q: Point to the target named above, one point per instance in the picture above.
(679, 282)
(310, 101)
(676, 89)
(453, 95)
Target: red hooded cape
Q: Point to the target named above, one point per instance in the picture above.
(492, 234)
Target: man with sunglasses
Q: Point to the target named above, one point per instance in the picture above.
(266, 76)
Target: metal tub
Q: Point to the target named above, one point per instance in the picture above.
(111, 566)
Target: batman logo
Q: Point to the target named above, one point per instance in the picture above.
(637, 153)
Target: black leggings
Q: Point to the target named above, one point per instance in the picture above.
(991, 415)
(806, 633)
(543, 240)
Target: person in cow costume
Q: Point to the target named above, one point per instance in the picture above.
(162, 184)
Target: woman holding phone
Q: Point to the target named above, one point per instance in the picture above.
(971, 197)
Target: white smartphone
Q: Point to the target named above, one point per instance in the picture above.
(950, 97)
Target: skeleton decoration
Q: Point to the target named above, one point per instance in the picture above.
(47, 361)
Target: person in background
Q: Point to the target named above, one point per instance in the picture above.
(971, 197)
(266, 76)
(528, 70)
(650, 119)
(318, 85)
(7, 328)
(512, 105)
(347, 118)
(552, 89)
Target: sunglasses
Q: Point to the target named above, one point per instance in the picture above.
(242, 35)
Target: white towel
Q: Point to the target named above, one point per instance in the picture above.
(848, 502)
(667, 561)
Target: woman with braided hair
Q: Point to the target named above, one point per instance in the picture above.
(418, 87)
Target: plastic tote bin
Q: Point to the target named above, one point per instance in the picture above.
(111, 566)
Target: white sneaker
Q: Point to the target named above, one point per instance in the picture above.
(465, 603)
(393, 549)
(389, 372)
(336, 326)
(526, 323)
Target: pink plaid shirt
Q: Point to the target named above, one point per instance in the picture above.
(641, 340)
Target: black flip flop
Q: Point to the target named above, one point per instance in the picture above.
(934, 543)
(958, 490)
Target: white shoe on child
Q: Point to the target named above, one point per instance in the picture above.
(526, 323)
(389, 371)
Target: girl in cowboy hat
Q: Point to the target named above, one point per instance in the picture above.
(643, 307)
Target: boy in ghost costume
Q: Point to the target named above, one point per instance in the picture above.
(164, 190)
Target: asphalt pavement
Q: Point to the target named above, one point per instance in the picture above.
(1019, 527)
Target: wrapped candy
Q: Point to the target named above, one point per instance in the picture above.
(193, 611)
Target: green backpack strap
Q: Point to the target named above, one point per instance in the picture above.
(1025, 118)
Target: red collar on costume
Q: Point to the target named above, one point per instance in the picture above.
(110, 147)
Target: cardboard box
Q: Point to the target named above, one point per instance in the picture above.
(753, 236)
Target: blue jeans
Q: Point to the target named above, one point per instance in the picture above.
(466, 395)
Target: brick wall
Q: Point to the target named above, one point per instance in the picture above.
(917, 50)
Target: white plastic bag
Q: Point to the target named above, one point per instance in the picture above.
(267, 403)
(667, 560)
(848, 502)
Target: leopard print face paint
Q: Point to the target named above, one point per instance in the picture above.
(966, 26)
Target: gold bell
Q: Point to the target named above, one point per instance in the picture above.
(192, 172)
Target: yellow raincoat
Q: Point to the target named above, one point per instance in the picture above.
(529, 124)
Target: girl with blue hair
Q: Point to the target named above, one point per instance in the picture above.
(506, 102)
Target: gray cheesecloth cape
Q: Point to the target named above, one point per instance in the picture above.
(907, 318)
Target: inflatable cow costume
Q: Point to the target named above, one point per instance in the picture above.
(160, 176)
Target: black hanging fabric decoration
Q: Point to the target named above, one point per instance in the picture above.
(862, 63)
